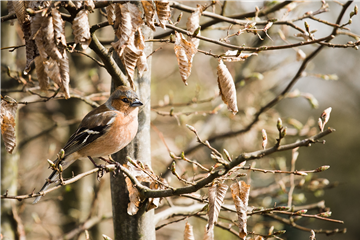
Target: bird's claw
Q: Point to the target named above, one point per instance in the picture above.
(101, 171)
(117, 169)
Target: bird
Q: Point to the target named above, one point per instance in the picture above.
(103, 131)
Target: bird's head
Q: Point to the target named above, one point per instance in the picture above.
(124, 99)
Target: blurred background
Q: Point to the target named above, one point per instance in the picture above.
(44, 127)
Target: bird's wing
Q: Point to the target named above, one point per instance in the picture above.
(91, 128)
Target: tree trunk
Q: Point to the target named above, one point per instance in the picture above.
(141, 225)
(9, 162)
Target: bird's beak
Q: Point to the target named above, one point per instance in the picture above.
(136, 103)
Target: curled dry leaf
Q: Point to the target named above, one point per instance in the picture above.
(163, 12)
(81, 29)
(89, 5)
(130, 20)
(110, 12)
(227, 87)
(193, 24)
(184, 52)
(129, 58)
(78, 4)
(188, 233)
(216, 198)
(65, 74)
(59, 29)
(7, 120)
(37, 35)
(134, 197)
(240, 194)
(41, 74)
(149, 11)
(47, 29)
(141, 64)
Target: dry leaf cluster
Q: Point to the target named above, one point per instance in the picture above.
(7, 121)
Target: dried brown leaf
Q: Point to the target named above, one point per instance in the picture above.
(227, 87)
(129, 23)
(216, 198)
(51, 68)
(188, 232)
(78, 3)
(89, 5)
(48, 37)
(193, 24)
(81, 29)
(37, 35)
(41, 74)
(64, 74)
(141, 64)
(149, 11)
(184, 52)
(129, 58)
(7, 120)
(240, 194)
(163, 12)
(134, 197)
(20, 11)
(110, 12)
(59, 29)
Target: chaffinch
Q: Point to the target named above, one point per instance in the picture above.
(103, 131)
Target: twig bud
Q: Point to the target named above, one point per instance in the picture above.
(172, 155)
(307, 27)
(277, 233)
(60, 168)
(227, 155)
(356, 9)
(182, 155)
(61, 154)
(300, 173)
(283, 132)
(279, 124)
(52, 165)
(264, 138)
(191, 128)
(301, 212)
(322, 168)
(179, 17)
(197, 31)
(173, 170)
(325, 214)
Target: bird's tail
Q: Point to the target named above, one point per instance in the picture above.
(52, 178)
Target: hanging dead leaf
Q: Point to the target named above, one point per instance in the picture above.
(78, 4)
(89, 5)
(20, 10)
(65, 74)
(59, 29)
(41, 74)
(81, 29)
(184, 52)
(188, 232)
(141, 64)
(37, 35)
(163, 12)
(193, 24)
(216, 198)
(129, 58)
(48, 38)
(149, 11)
(227, 87)
(240, 194)
(110, 12)
(130, 21)
(7, 120)
(134, 197)
(51, 68)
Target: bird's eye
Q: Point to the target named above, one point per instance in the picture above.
(125, 100)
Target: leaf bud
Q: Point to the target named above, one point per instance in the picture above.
(322, 168)
(283, 132)
(304, 211)
(172, 155)
(279, 124)
(191, 128)
(325, 214)
(279, 232)
(307, 27)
